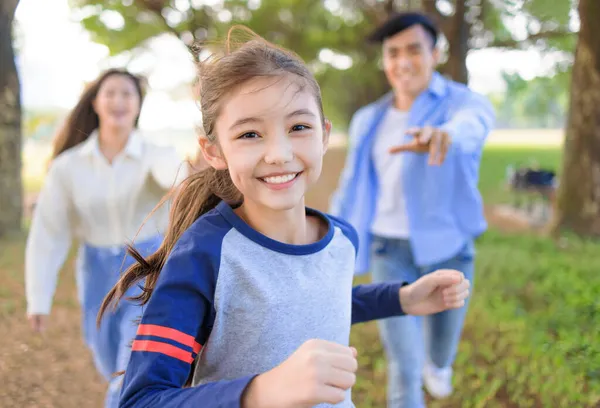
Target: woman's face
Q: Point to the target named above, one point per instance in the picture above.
(117, 102)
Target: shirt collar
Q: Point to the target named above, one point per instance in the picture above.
(437, 87)
(133, 148)
(437, 84)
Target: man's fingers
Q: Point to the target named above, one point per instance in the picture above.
(414, 131)
(407, 147)
(445, 146)
(425, 135)
(426, 140)
(438, 147)
(435, 148)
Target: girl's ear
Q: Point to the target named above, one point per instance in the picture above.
(212, 153)
(326, 133)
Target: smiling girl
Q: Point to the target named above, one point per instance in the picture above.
(104, 179)
(250, 285)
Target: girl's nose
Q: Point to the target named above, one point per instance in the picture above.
(279, 150)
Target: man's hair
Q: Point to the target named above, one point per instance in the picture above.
(400, 22)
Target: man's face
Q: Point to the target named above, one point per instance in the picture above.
(409, 59)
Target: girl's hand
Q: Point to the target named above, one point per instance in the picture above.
(435, 292)
(317, 372)
(37, 322)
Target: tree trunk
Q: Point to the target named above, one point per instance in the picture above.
(578, 205)
(458, 34)
(11, 204)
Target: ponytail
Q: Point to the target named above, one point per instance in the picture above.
(197, 195)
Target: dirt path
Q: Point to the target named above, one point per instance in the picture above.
(50, 370)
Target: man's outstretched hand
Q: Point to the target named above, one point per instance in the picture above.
(427, 140)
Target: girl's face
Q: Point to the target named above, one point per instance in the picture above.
(117, 102)
(272, 140)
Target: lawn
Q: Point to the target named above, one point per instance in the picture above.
(496, 160)
(531, 339)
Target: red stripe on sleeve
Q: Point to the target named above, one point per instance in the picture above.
(169, 333)
(163, 348)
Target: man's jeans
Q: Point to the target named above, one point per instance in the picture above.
(409, 340)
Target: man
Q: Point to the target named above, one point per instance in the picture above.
(420, 210)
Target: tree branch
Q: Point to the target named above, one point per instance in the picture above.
(442, 21)
(430, 8)
(156, 8)
(544, 35)
(373, 14)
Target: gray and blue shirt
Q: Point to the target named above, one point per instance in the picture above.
(238, 304)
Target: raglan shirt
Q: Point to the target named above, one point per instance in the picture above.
(240, 304)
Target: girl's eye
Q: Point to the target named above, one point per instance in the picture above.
(249, 135)
(298, 128)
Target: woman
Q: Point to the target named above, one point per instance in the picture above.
(103, 182)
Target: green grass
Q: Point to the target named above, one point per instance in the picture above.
(531, 337)
(496, 159)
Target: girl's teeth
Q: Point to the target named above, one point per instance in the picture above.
(280, 179)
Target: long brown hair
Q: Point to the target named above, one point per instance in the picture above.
(218, 77)
(83, 119)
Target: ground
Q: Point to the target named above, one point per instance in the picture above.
(519, 349)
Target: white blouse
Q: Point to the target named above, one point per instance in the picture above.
(85, 197)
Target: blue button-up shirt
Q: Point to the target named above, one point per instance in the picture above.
(443, 203)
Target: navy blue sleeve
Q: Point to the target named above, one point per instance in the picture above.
(174, 327)
(348, 230)
(376, 301)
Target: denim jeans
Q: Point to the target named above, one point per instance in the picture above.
(410, 340)
(98, 270)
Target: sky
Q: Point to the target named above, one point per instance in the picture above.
(56, 57)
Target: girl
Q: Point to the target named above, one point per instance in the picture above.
(249, 284)
(103, 180)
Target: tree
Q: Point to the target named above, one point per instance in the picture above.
(320, 30)
(477, 24)
(578, 205)
(10, 126)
